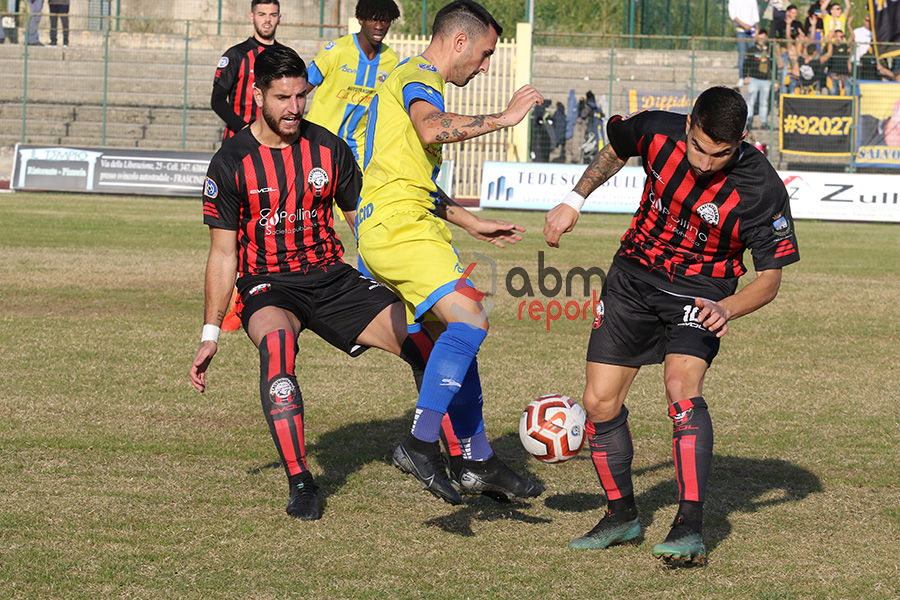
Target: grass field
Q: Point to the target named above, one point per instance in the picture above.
(118, 480)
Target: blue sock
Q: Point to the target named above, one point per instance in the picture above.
(445, 373)
(468, 421)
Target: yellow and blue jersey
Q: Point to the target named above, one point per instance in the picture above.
(345, 81)
(399, 170)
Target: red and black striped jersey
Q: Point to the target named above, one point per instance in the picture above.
(689, 234)
(234, 74)
(279, 200)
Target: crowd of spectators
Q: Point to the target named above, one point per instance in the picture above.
(813, 53)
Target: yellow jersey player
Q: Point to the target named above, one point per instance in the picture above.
(347, 71)
(405, 244)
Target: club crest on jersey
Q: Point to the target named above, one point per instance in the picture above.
(683, 417)
(223, 62)
(781, 225)
(382, 75)
(210, 189)
(317, 180)
(281, 391)
(598, 314)
(259, 289)
(709, 212)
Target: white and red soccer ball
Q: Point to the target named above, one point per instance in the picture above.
(552, 428)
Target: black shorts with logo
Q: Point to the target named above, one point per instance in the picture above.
(336, 303)
(638, 324)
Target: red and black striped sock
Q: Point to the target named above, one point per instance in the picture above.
(282, 401)
(692, 446)
(612, 452)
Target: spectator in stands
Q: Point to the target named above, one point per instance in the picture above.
(758, 77)
(862, 37)
(808, 72)
(839, 67)
(745, 16)
(34, 9)
(813, 25)
(59, 9)
(887, 74)
(8, 28)
(790, 34)
(774, 12)
(836, 19)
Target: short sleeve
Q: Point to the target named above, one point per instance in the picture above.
(221, 200)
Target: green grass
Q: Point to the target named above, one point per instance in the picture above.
(118, 480)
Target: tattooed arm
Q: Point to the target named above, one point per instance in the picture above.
(563, 217)
(437, 127)
(493, 231)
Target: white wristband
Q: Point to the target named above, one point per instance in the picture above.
(210, 334)
(574, 200)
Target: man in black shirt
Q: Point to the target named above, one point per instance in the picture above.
(671, 292)
(758, 77)
(232, 93)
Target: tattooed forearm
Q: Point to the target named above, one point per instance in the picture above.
(450, 127)
(484, 120)
(604, 165)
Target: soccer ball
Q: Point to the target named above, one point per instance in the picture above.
(552, 428)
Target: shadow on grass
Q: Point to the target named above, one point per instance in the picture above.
(736, 485)
(346, 450)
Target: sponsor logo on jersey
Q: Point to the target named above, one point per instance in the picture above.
(210, 189)
(281, 392)
(259, 289)
(598, 314)
(317, 180)
(265, 190)
(223, 62)
(428, 67)
(329, 45)
(348, 69)
(709, 212)
(781, 225)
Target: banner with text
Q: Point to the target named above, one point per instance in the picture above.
(677, 101)
(540, 186)
(843, 196)
(817, 125)
(878, 133)
(108, 170)
(826, 196)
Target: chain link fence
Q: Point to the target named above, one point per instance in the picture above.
(145, 82)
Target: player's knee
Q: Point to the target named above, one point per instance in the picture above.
(600, 406)
(680, 385)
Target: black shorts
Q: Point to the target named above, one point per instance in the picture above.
(336, 304)
(638, 324)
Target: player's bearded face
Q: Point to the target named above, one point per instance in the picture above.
(474, 58)
(265, 19)
(706, 156)
(283, 104)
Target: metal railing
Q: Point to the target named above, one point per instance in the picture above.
(148, 84)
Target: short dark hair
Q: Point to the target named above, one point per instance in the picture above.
(253, 4)
(721, 113)
(377, 10)
(466, 15)
(276, 62)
